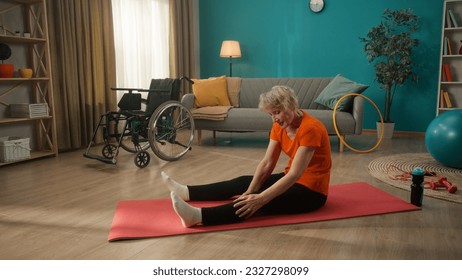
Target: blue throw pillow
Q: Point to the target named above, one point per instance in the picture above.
(338, 87)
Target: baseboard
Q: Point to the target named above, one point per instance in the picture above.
(398, 133)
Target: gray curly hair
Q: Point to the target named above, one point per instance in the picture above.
(279, 97)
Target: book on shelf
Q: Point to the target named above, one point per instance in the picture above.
(452, 19)
(447, 73)
(441, 99)
(448, 20)
(445, 46)
(447, 99)
(447, 49)
(450, 52)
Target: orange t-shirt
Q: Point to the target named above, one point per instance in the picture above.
(311, 133)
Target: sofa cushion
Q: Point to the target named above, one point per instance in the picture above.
(252, 119)
(306, 90)
(234, 88)
(211, 92)
(338, 87)
(238, 119)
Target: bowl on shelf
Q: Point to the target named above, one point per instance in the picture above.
(25, 73)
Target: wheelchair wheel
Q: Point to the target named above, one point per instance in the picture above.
(142, 159)
(109, 151)
(171, 130)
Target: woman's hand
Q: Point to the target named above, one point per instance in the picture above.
(248, 204)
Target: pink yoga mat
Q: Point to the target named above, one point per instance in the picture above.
(135, 219)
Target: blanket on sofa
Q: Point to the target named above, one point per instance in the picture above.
(215, 113)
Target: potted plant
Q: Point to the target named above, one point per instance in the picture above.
(6, 70)
(389, 47)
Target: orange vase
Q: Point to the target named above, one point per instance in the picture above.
(6, 70)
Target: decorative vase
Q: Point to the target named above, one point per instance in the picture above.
(388, 130)
(6, 70)
(26, 73)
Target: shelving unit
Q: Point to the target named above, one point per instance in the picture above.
(29, 52)
(450, 77)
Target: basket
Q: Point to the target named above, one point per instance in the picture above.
(14, 149)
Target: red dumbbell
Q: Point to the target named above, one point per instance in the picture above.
(449, 186)
(443, 183)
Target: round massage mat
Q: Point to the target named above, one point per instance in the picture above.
(395, 170)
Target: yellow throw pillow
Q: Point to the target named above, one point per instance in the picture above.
(211, 92)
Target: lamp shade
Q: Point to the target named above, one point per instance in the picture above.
(230, 49)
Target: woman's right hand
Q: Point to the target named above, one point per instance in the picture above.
(247, 205)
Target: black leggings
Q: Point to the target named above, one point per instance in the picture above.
(297, 199)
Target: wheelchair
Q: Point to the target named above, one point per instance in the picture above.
(159, 122)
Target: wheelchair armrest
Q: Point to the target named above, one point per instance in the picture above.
(130, 90)
(188, 100)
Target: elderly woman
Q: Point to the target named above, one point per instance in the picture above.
(301, 188)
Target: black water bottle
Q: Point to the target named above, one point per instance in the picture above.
(417, 186)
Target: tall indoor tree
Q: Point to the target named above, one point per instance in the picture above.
(389, 47)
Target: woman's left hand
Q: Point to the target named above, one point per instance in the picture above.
(248, 204)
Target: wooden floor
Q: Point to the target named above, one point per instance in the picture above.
(62, 208)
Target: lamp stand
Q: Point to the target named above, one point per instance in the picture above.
(230, 67)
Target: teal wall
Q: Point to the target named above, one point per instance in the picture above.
(283, 38)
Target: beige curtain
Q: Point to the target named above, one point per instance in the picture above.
(83, 67)
(182, 41)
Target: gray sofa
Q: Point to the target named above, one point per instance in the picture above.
(247, 116)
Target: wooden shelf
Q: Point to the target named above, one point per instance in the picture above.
(18, 2)
(19, 120)
(23, 79)
(30, 52)
(450, 64)
(453, 29)
(449, 109)
(33, 155)
(20, 39)
(452, 56)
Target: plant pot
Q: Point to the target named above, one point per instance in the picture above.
(389, 128)
(6, 70)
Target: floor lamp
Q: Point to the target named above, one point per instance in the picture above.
(232, 50)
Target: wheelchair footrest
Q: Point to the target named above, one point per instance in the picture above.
(100, 158)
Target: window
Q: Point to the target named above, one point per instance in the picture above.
(141, 35)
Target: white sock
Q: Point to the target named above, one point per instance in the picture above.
(190, 216)
(181, 190)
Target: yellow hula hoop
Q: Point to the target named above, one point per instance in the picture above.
(340, 136)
